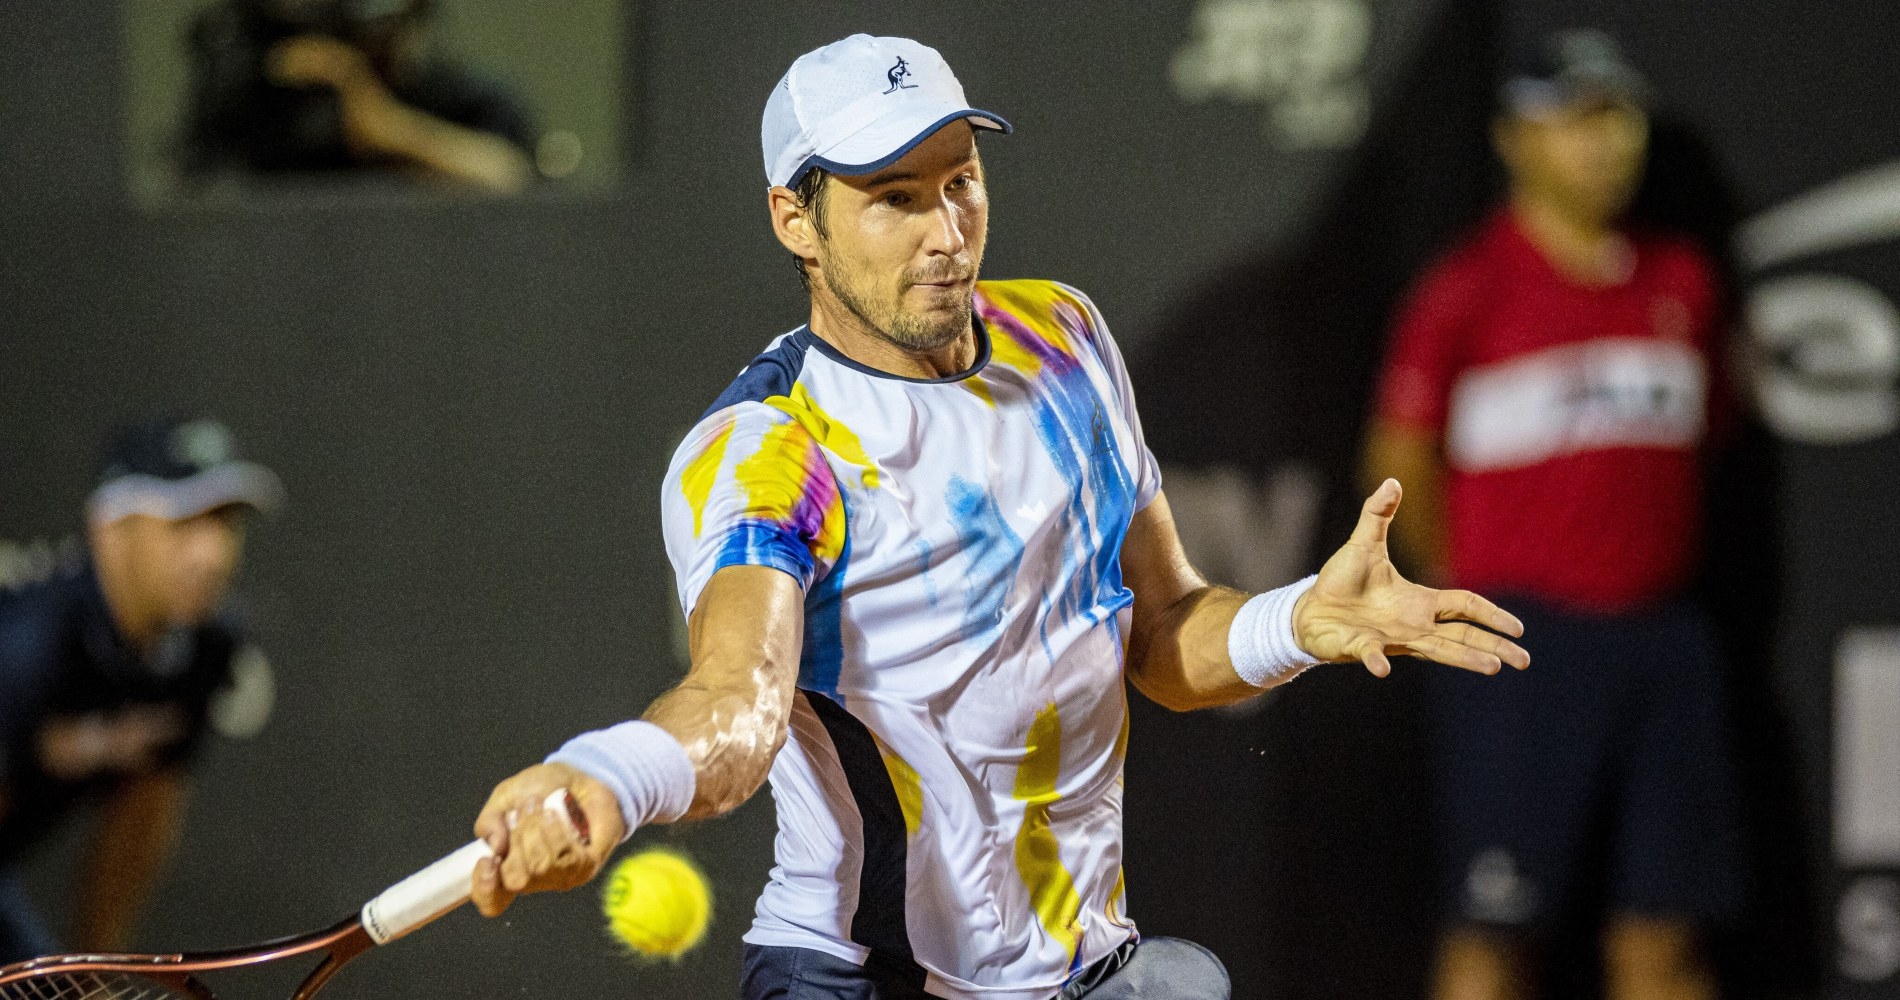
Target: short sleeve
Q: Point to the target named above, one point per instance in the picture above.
(1146, 472)
(1424, 355)
(750, 487)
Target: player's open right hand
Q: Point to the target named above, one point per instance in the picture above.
(1362, 609)
(537, 849)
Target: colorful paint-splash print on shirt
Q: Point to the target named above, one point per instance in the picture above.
(1033, 327)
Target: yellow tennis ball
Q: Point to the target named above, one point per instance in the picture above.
(657, 903)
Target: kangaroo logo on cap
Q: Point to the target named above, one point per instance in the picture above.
(896, 75)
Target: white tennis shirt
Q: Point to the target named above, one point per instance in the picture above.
(950, 793)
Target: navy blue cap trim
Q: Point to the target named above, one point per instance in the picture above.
(856, 169)
(807, 339)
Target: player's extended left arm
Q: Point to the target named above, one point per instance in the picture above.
(1195, 645)
(700, 750)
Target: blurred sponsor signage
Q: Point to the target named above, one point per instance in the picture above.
(1826, 346)
(1304, 60)
(1867, 802)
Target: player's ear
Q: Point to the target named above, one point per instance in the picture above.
(792, 222)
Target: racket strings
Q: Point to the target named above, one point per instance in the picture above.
(89, 986)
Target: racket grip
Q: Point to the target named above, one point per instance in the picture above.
(444, 885)
(424, 896)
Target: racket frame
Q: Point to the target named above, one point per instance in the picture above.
(411, 903)
(344, 941)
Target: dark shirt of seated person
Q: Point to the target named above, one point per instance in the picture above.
(283, 87)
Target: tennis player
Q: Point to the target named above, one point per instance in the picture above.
(920, 544)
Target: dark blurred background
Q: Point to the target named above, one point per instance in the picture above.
(472, 400)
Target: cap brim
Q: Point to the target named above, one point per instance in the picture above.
(244, 483)
(881, 144)
(1532, 97)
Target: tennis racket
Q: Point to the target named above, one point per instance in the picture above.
(403, 907)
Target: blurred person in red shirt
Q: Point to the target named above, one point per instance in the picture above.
(1546, 400)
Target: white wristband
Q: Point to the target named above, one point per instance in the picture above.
(644, 766)
(1261, 644)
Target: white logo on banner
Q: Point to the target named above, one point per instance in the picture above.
(1868, 921)
(1617, 392)
(1827, 352)
(1304, 59)
(1867, 748)
(1827, 347)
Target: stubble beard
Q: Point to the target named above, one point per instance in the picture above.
(909, 331)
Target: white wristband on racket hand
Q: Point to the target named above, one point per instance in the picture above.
(1261, 643)
(644, 766)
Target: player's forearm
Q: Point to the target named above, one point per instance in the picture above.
(136, 834)
(1179, 649)
(732, 711)
(706, 746)
(1180, 659)
(730, 731)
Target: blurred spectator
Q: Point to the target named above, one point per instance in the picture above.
(113, 665)
(1546, 401)
(325, 85)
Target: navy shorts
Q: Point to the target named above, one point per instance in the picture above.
(1154, 969)
(1600, 780)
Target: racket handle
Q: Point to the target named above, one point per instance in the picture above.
(444, 885)
(424, 896)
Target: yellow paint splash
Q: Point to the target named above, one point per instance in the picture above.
(908, 785)
(1114, 908)
(826, 430)
(776, 478)
(1034, 304)
(1038, 854)
(1004, 350)
(696, 481)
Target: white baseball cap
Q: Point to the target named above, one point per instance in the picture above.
(858, 105)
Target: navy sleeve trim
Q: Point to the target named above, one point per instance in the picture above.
(770, 374)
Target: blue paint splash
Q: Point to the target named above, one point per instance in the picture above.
(1075, 433)
(924, 554)
(995, 554)
(821, 661)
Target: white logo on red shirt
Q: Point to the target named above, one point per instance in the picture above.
(1615, 392)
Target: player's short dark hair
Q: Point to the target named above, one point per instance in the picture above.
(810, 195)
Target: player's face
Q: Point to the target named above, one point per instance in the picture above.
(903, 245)
(184, 567)
(1587, 156)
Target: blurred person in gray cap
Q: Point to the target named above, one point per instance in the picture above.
(1550, 395)
(923, 550)
(114, 665)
